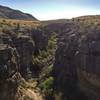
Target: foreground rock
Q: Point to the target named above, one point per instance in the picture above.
(8, 73)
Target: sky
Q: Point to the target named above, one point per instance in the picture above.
(55, 9)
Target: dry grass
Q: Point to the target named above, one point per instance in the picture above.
(12, 22)
(27, 91)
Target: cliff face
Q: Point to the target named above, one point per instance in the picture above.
(77, 60)
(16, 56)
(25, 47)
(65, 69)
(89, 51)
(8, 70)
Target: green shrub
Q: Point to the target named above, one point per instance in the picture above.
(47, 84)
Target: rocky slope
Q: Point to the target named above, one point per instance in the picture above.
(6, 12)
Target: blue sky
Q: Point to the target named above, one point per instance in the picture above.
(55, 9)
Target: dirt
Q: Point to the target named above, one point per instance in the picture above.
(33, 95)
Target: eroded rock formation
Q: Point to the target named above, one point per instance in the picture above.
(8, 72)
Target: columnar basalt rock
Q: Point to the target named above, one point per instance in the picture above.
(7, 60)
(78, 50)
(8, 68)
(65, 71)
(16, 54)
(25, 47)
(40, 39)
(89, 52)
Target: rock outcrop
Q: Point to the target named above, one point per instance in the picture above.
(16, 54)
(40, 39)
(25, 47)
(89, 52)
(8, 71)
(77, 53)
(65, 69)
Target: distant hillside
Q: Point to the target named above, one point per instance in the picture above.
(55, 21)
(6, 12)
